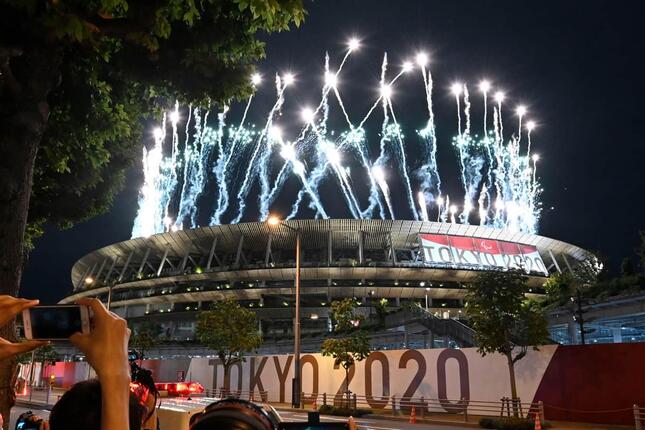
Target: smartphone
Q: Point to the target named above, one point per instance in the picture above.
(55, 322)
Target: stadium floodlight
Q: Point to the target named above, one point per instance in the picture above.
(273, 220)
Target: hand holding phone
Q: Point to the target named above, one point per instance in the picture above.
(106, 348)
(57, 322)
(9, 308)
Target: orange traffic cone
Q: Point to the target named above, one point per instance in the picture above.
(413, 416)
(351, 423)
(538, 424)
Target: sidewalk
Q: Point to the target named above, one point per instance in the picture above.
(40, 397)
(458, 420)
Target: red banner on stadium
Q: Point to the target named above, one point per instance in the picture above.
(477, 253)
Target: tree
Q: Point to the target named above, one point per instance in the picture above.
(627, 267)
(344, 315)
(353, 345)
(346, 351)
(381, 312)
(558, 287)
(145, 336)
(504, 321)
(46, 355)
(231, 331)
(76, 79)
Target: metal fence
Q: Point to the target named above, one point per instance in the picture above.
(639, 417)
(252, 396)
(422, 405)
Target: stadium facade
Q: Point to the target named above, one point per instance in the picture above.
(384, 264)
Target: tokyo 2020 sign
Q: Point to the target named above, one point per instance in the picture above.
(465, 252)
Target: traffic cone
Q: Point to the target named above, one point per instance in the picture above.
(413, 416)
(538, 424)
(351, 423)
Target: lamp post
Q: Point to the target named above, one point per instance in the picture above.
(296, 386)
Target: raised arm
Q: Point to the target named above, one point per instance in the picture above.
(106, 349)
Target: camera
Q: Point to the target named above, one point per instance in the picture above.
(143, 385)
(141, 376)
(28, 421)
(238, 414)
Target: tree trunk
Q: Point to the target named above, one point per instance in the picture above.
(511, 372)
(23, 116)
(227, 379)
(41, 379)
(18, 146)
(7, 372)
(347, 386)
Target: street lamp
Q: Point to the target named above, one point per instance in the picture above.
(296, 383)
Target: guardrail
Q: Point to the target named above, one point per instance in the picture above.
(422, 405)
(639, 417)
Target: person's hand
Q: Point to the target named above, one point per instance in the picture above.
(9, 308)
(106, 349)
(106, 346)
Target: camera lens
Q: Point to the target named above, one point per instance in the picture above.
(28, 421)
(233, 414)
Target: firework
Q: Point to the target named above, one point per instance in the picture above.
(224, 160)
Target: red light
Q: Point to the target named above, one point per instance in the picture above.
(140, 391)
(196, 387)
(180, 388)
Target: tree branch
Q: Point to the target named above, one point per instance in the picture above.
(520, 355)
(115, 27)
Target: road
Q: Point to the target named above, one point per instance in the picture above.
(363, 423)
(372, 424)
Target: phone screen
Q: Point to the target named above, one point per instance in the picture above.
(56, 322)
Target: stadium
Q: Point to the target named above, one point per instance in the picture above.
(389, 266)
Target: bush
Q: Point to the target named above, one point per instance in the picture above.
(511, 423)
(343, 412)
(488, 423)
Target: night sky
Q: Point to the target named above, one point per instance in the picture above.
(578, 66)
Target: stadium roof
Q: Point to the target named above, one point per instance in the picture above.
(204, 244)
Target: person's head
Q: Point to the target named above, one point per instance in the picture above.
(80, 409)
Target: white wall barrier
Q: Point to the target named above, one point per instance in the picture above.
(432, 373)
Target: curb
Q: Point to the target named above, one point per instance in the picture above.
(394, 418)
(423, 420)
(33, 405)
